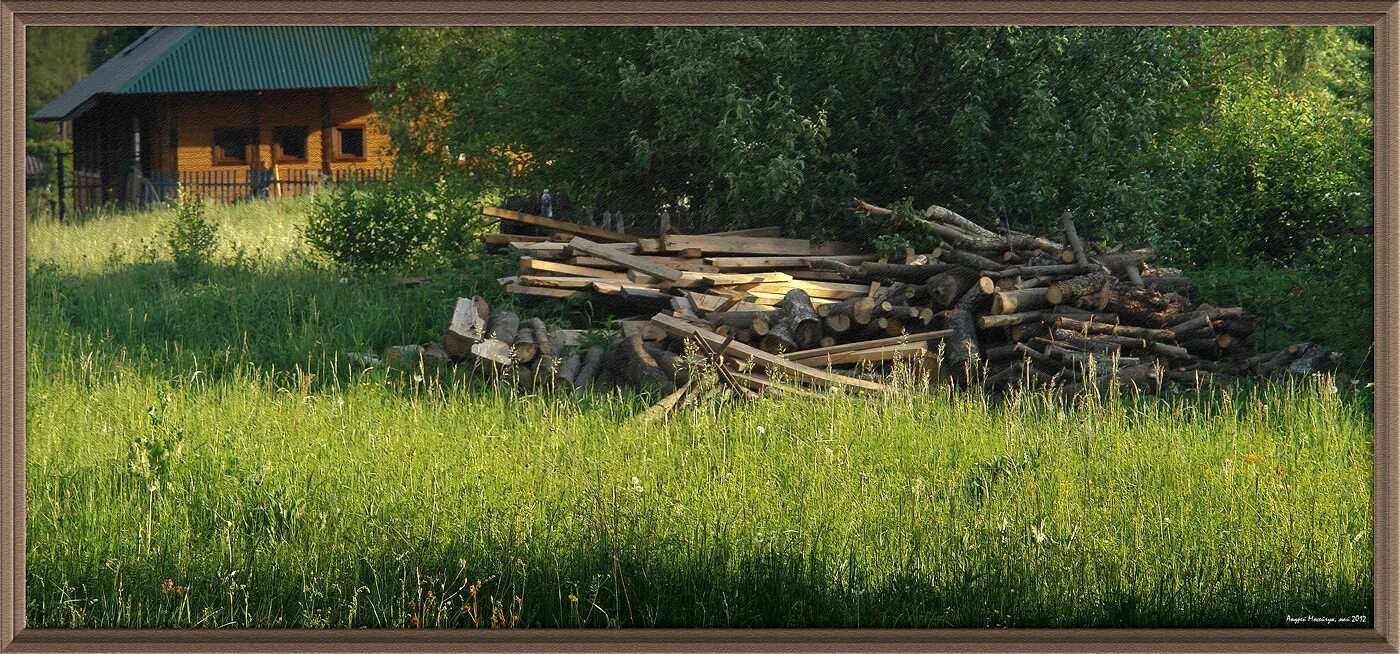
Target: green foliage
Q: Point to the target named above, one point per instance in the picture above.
(395, 225)
(192, 237)
(55, 58)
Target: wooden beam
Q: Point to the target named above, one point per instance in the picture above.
(493, 238)
(529, 265)
(540, 291)
(580, 244)
(741, 263)
(923, 338)
(695, 265)
(743, 353)
(547, 281)
(559, 225)
(739, 244)
(868, 355)
(753, 231)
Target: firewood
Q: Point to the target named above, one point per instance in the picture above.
(945, 288)
(962, 347)
(503, 327)
(1063, 322)
(1072, 236)
(1007, 320)
(1004, 302)
(526, 345)
(795, 325)
(588, 368)
(467, 328)
(968, 260)
(1071, 290)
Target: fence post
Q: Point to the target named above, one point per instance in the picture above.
(58, 168)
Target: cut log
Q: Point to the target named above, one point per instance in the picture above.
(525, 347)
(493, 351)
(588, 368)
(1063, 322)
(795, 325)
(1004, 302)
(1071, 235)
(467, 328)
(945, 288)
(961, 347)
(1071, 290)
(967, 260)
(1007, 320)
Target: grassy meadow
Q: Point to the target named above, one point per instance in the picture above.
(202, 454)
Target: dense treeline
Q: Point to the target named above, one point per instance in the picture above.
(1204, 143)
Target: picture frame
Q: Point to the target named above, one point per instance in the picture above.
(1384, 15)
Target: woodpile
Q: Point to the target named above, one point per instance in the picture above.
(764, 312)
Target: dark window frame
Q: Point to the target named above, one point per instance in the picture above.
(278, 156)
(337, 154)
(219, 156)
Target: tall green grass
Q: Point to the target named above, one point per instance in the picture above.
(200, 454)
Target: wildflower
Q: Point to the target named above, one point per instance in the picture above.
(573, 599)
(637, 484)
(1253, 458)
(761, 430)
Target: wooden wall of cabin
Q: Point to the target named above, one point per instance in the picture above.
(198, 115)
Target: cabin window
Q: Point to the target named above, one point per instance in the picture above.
(350, 143)
(289, 144)
(230, 146)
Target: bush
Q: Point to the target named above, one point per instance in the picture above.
(193, 238)
(401, 224)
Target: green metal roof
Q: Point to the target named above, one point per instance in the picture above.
(233, 58)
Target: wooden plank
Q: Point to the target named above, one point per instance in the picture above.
(695, 265)
(869, 355)
(691, 279)
(741, 352)
(638, 264)
(551, 250)
(559, 225)
(765, 297)
(856, 346)
(827, 290)
(540, 291)
(739, 244)
(768, 263)
(505, 239)
(547, 281)
(643, 329)
(529, 265)
(817, 275)
(771, 232)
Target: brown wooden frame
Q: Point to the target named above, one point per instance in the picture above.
(337, 155)
(1384, 15)
(278, 156)
(218, 158)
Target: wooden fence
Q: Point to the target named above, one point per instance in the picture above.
(224, 186)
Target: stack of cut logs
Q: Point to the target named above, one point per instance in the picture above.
(1001, 310)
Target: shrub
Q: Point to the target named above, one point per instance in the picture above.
(192, 238)
(393, 225)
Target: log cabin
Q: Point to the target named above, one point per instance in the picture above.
(228, 111)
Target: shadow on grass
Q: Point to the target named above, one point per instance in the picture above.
(277, 319)
(658, 584)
